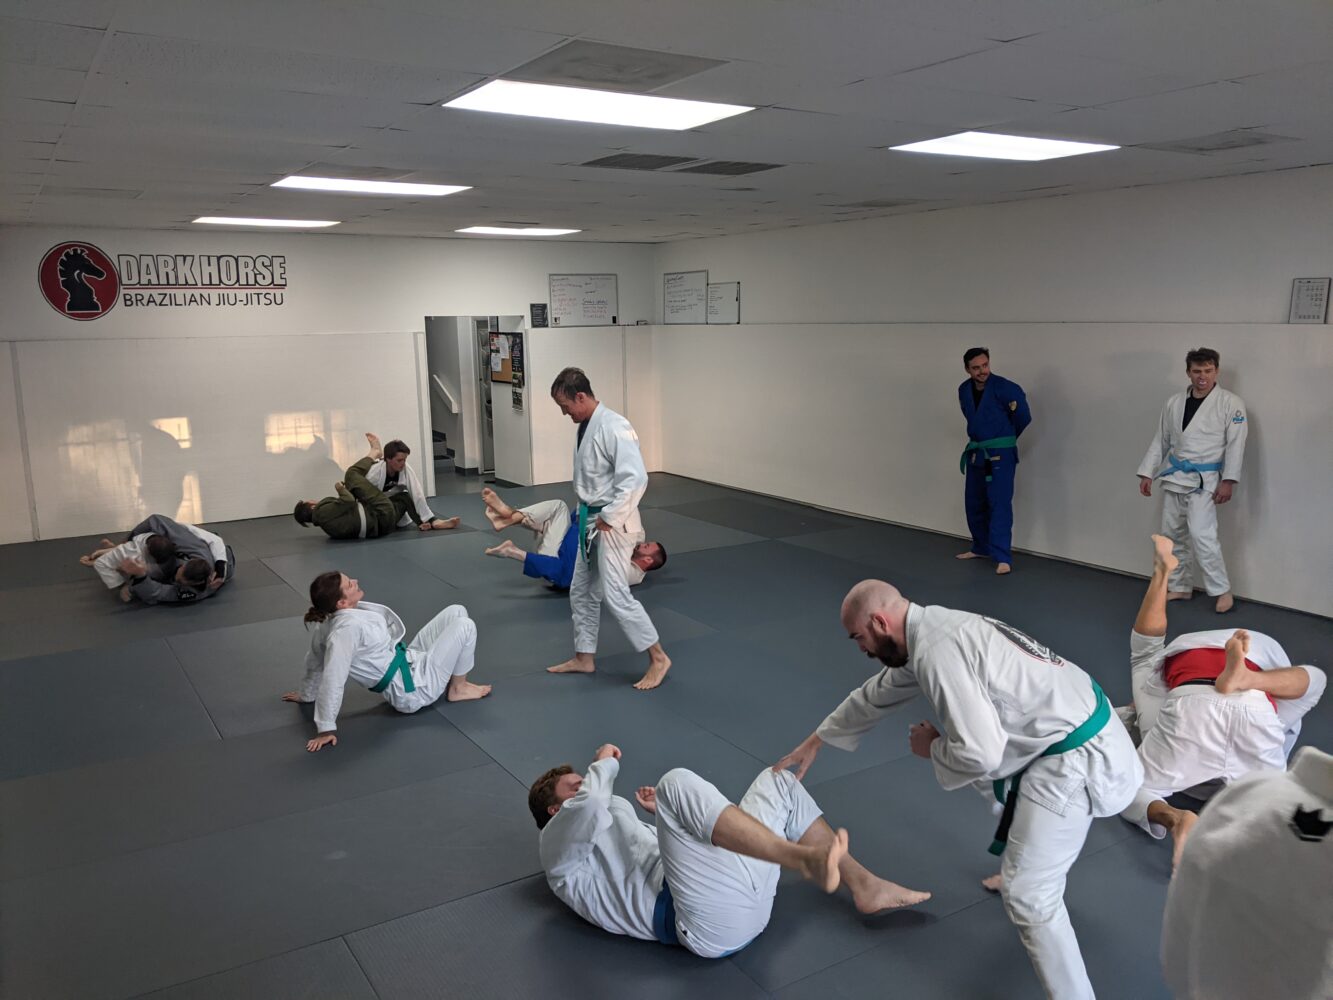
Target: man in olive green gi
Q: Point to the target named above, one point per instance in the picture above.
(360, 510)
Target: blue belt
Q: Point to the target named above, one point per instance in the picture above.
(664, 917)
(398, 666)
(1101, 714)
(585, 544)
(1183, 465)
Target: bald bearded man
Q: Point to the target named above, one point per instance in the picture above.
(1018, 722)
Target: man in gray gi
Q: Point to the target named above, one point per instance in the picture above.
(196, 564)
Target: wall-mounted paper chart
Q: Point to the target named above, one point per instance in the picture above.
(724, 302)
(684, 297)
(584, 299)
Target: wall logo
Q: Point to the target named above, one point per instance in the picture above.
(78, 280)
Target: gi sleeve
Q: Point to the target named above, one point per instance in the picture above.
(972, 741)
(1157, 447)
(339, 648)
(150, 591)
(862, 710)
(343, 492)
(418, 493)
(217, 548)
(630, 478)
(589, 811)
(153, 524)
(1019, 414)
(1238, 428)
(308, 689)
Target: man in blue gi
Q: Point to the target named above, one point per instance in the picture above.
(557, 542)
(997, 412)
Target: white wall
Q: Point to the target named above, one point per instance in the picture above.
(599, 351)
(834, 391)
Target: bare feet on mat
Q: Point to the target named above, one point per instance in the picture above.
(993, 884)
(969, 554)
(376, 449)
(821, 867)
(506, 550)
(501, 521)
(580, 663)
(1225, 603)
(461, 689)
(881, 894)
(1235, 676)
(493, 502)
(444, 524)
(657, 671)
(1003, 569)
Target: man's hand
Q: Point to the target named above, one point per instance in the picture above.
(1145, 486)
(606, 750)
(921, 736)
(803, 756)
(215, 581)
(647, 797)
(293, 696)
(133, 567)
(424, 526)
(601, 525)
(322, 740)
(1223, 492)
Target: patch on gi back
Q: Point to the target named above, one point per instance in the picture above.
(1025, 642)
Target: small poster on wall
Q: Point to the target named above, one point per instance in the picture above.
(538, 310)
(518, 397)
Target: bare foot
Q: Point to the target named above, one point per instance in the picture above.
(1003, 569)
(1184, 824)
(493, 502)
(657, 671)
(461, 689)
(444, 523)
(86, 560)
(1235, 676)
(376, 450)
(506, 550)
(993, 884)
(1224, 603)
(581, 663)
(969, 555)
(1163, 554)
(1179, 595)
(882, 894)
(822, 865)
(501, 521)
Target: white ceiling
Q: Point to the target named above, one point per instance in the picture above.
(148, 113)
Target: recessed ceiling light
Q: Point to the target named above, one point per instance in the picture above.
(223, 220)
(994, 146)
(368, 187)
(603, 107)
(516, 231)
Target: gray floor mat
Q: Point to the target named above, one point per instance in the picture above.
(765, 519)
(270, 887)
(325, 971)
(679, 533)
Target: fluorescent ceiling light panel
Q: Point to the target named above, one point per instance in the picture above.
(223, 220)
(516, 231)
(368, 187)
(994, 146)
(602, 107)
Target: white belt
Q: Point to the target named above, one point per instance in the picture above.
(361, 509)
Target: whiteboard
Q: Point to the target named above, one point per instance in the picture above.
(684, 297)
(584, 300)
(724, 302)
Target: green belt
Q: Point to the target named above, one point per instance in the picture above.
(984, 447)
(398, 666)
(1093, 725)
(585, 546)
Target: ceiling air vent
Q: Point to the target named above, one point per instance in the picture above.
(610, 67)
(729, 168)
(639, 161)
(1218, 142)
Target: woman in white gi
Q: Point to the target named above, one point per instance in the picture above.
(364, 641)
(391, 470)
(1200, 712)
(706, 875)
(1019, 722)
(1197, 453)
(609, 479)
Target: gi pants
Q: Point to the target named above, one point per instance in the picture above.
(557, 545)
(381, 513)
(1190, 521)
(445, 648)
(990, 505)
(723, 900)
(601, 577)
(108, 563)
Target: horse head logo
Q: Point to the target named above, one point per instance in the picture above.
(74, 264)
(78, 280)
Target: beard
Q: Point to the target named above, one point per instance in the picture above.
(889, 653)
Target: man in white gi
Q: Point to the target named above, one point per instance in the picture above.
(1197, 453)
(390, 472)
(706, 875)
(1249, 913)
(609, 479)
(1019, 722)
(1207, 706)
